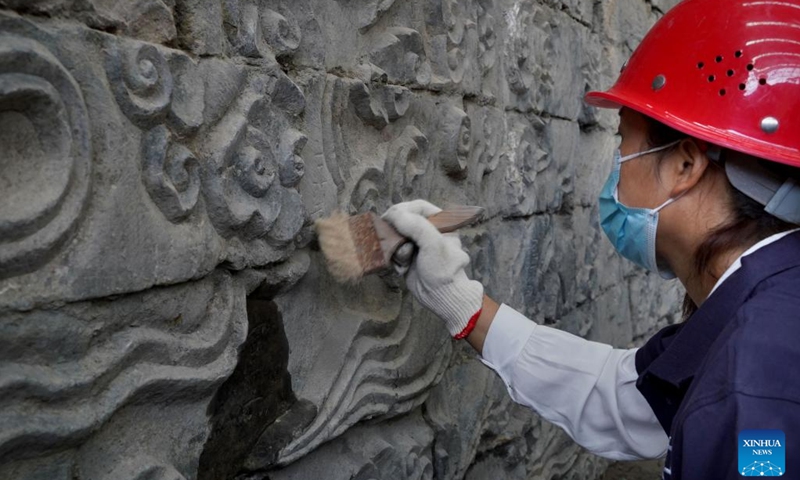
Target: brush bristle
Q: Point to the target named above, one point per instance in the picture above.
(338, 247)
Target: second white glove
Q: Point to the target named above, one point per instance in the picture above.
(437, 277)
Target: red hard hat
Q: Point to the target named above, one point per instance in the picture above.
(724, 71)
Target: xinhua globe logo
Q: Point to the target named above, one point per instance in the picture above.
(762, 453)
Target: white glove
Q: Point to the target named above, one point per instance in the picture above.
(436, 276)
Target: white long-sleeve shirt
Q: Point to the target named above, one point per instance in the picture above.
(586, 388)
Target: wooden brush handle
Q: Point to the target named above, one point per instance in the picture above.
(453, 218)
(448, 220)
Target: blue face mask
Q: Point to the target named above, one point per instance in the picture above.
(632, 231)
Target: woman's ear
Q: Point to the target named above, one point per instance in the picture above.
(686, 166)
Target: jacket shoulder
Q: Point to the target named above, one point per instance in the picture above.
(765, 346)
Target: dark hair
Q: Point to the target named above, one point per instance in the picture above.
(749, 222)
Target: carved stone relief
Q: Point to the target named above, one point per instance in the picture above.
(74, 379)
(255, 30)
(47, 166)
(165, 312)
(170, 172)
(214, 148)
(452, 25)
(400, 52)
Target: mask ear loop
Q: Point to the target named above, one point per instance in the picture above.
(640, 154)
(646, 152)
(669, 201)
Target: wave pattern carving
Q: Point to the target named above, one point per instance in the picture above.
(385, 374)
(65, 372)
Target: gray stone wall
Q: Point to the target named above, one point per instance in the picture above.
(165, 312)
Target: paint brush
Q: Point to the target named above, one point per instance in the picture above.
(358, 245)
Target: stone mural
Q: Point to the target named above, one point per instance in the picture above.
(165, 311)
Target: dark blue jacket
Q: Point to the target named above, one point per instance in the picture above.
(734, 365)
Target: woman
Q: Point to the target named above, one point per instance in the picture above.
(706, 188)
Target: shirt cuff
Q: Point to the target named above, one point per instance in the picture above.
(507, 336)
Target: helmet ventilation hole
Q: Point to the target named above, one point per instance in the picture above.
(762, 81)
(731, 73)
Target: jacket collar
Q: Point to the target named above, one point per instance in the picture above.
(681, 359)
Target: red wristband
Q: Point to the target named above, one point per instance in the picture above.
(470, 325)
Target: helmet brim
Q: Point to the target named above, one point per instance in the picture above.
(602, 100)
